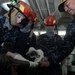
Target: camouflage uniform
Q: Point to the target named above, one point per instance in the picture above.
(50, 44)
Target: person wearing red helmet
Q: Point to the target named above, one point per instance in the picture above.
(50, 21)
(49, 42)
(16, 32)
(68, 45)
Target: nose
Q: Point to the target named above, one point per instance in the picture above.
(18, 20)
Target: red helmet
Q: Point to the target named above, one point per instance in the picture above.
(50, 21)
(24, 8)
(33, 16)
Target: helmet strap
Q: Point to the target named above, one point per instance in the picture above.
(31, 34)
(10, 11)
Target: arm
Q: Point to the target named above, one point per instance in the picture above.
(2, 21)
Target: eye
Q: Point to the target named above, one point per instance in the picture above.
(67, 4)
(19, 16)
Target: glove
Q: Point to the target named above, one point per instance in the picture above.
(19, 57)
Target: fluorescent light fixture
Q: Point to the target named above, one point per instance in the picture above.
(61, 32)
(36, 33)
(42, 32)
(39, 32)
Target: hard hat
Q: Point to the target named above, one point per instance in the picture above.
(61, 6)
(50, 21)
(20, 7)
(63, 0)
(24, 8)
(33, 16)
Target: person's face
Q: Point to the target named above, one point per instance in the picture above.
(69, 6)
(19, 18)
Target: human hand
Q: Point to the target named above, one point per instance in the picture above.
(44, 62)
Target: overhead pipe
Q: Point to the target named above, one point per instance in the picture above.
(48, 7)
(31, 5)
(39, 8)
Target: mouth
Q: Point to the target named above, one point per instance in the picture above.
(69, 10)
